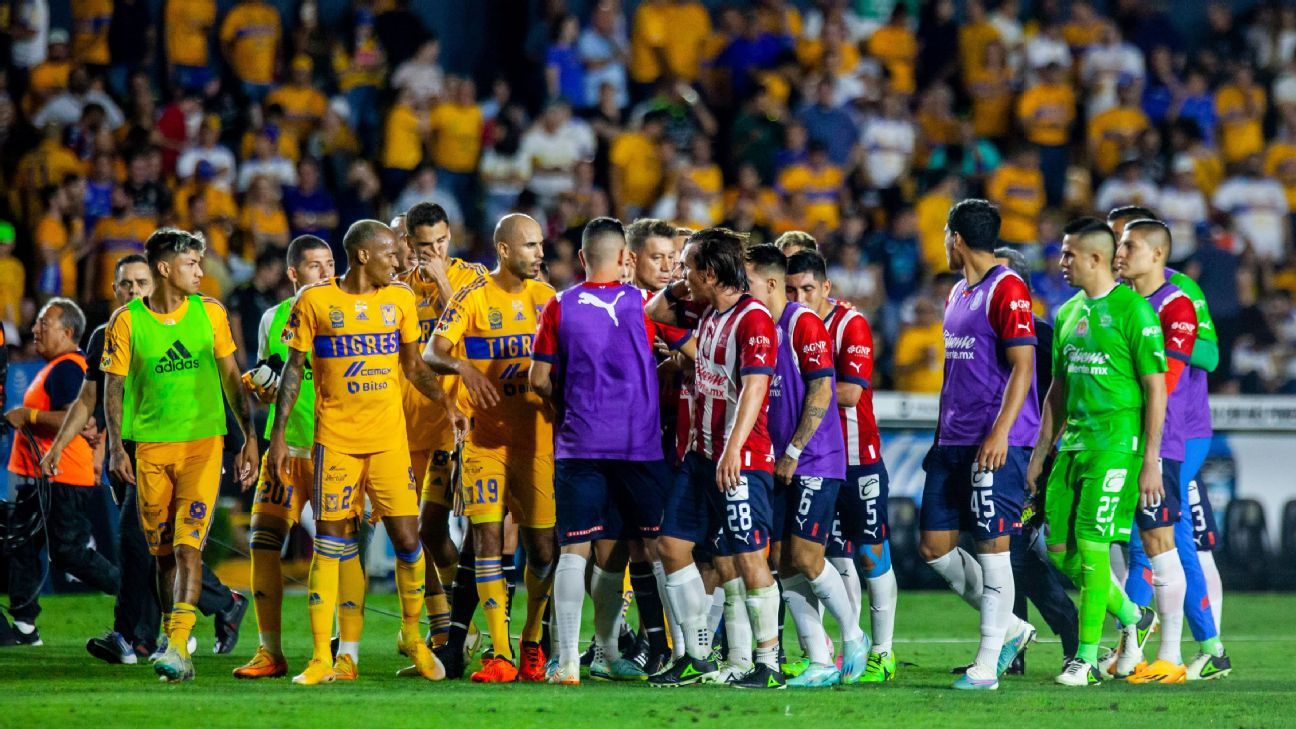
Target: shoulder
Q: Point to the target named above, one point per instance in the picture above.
(213, 306)
(313, 292)
(121, 318)
(471, 292)
(72, 368)
(399, 290)
(540, 291)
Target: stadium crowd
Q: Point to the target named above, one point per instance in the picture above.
(860, 122)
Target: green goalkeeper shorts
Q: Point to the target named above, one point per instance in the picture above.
(1092, 496)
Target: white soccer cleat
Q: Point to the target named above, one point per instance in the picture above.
(1078, 673)
(1133, 638)
(726, 674)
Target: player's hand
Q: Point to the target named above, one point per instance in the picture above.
(458, 420)
(436, 267)
(1034, 470)
(993, 452)
(262, 382)
(481, 390)
(49, 463)
(17, 417)
(729, 469)
(277, 458)
(1151, 489)
(91, 432)
(119, 465)
(784, 469)
(245, 463)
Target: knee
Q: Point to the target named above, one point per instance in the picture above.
(807, 561)
(932, 552)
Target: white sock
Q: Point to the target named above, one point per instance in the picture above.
(1169, 587)
(350, 648)
(962, 574)
(1214, 588)
(568, 600)
(689, 596)
(845, 567)
(830, 590)
(715, 613)
(996, 607)
(605, 591)
(738, 629)
(762, 608)
(270, 641)
(1119, 567)
(883, 594)
(672, 622)
(803, 606)
(27, 628)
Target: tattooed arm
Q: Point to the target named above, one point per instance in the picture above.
(119, 463)
(818, 399)
(290, 381)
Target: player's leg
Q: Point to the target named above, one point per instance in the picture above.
(483, 486)
(943, 514)
(812, 509)
(438, 607)
(746, 518)
(872, 492)
(737, 623)
(639, 502)
(272, 517)
(581, 496)
(530, 497)
(1156, 528)
(1040, 582)
(648, 600)
(1201, 604)
(508, 561)
(607, 585)
(463, 605)
(434, 531)
(352, 585)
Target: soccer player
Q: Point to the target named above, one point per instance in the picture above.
(593, 359)
(1107, 401)
(357, 329)
(862, 502)
(434, 279)
(725, 485)
(1204, 593)
(988, 420)
(795, 241)
(484, 338)
(167, 360)
(278, 501)
(812, 468)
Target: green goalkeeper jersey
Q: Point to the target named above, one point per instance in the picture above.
(1101, 347)
(1205, 354)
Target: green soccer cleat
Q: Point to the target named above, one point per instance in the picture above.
(1206, 667)
(1133, 638)
(792, 670)
(880, 669)
(817, 675)
(173, 667)
(1015, 645)
(968, 683)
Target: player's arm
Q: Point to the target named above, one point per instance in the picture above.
(544, 349)
(751, 400)
(289, 388)
(78, 415)
(481, 390)
(119, 464)
(1205, 353)
(818, 398)
(418, 373)
(1179, 328)
(232, 384)
(854, 362)
(1151, 490)
(664, 306)
(1052, 421)
(1014, 323)
(540, 378)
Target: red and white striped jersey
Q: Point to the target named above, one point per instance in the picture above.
(739, 341)
(853, 349)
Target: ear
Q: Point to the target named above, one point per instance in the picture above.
(581, 255)
(164, 268)
(827, 287)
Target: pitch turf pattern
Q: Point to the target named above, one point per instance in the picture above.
(59, 684)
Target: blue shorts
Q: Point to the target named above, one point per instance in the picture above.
(862, 504)
(608, 499)
(736, 521)
(1166, 513)
(809, 505)
(987, 509)
(1205, 532)
(838, 545)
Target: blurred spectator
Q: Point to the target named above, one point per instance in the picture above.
(188, 25)
(60, 240)
(267, 161)
(1048, 285)
(854, 278)
(975, 33)
(13, 277)
(65, 109)
(401, 32)
(48, 77)
(303, 105)
(30, 33)
(149, 197)
(1182, 206)
(504, 172)
(1113, 133)
(248, 302)
(552, 147)
(1047, 48)
(250, 36)
(919, 358)
(564, 73)
(889, 141)
(1017, 187)
(132, 37)
(309, 206)
(409, 123)
(1258, 208)
(218, 201)
(425, 187)
(1046, 111)
(932, 211)
(972, 157)
(457, 126)
(821, 182)
(209, 149)
(359, 198)
(747, 54)
(120, 234)
(896, 46)
(667, 40)
(991, 87)
(635, 169)
(262, 221)
(1109, 64)
(829, 125)
(1241, 109)
(1129, 186)
(603, 50)
(90, 23)
(361, 68)
(421, 75)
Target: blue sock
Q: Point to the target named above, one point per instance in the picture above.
(1197, 607)
(1138, 583)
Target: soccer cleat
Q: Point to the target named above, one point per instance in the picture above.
(28, 638)
(1133, 638)
(453, 661)
(1206, 667)
(1078, 673)
(726, 673)
(565, 676)
(317, 672)
(344, 669)
(619, 670)
(496, 670)
(855, 656)
(532, 668)
(1018, 666)
(1014, 645)
(163, 645)
(792, 670)
(656, 663)
(967, 683)
(684, 671)
(1159, 671)
(817, 675)
(173, 667)
(227, 624)
(1106, 663)
(425, 662)
(264, 664)
(880, 669)
(111, 647)
(762, 676)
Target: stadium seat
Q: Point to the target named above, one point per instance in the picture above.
(1285, 574)
(1246, 546)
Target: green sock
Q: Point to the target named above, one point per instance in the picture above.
(1118, 603)
(1212, 646)
(1095, 591)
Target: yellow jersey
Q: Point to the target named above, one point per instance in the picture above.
(117, 338)
(251, 32)
(972, 41)
(822, 189)
(1046, 112)
(13, 287)
(90, 21)
(1019, 192)
(992, 101)
(641, 168)
(424, 419)
(115, 239)
(932, 210)
(187, 24)
(897, 48)
(403, 138)
(1112, 132)
(493, 329)
(911, 351)
(354, 343)
(303, 108)
(457, 139)
(52, 245)
(1280, 164)
(1241, 115)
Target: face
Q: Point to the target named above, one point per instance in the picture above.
(700, 283)
(1077, 264)
(654, 264)
(429, 242)
(523, 255)
(804, 289)
(952, 256)
(316, 265)
(48, 333)
(183, 271)
(380, 258)
(133, 282)
(1135, 256)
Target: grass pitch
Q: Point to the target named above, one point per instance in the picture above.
(58, 684)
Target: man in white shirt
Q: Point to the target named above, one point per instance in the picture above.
(266, 160)
(209, 149)
(553, 146)
(603, 51)
(1258, 206)
(1106, 66)
(31, 35)
(889, 140)
(65, 109)
(1127, 187)
(1182, 207)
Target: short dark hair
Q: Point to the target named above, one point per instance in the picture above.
(720, 251)
(125, 261)
(766, 257)
(977, 221)
(1128, 212)
(596, 232)
(1160, 232)
(167, 242)
(363, 231)
(638, 232)
(810, 262)
(70, 315)
(1087, 226)
(424, 213)
(302, 243)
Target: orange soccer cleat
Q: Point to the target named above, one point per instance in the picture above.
(496, 670)
(344, 669)
(263, 665)
(533, 663)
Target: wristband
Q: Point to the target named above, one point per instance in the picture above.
(669, 293)
(792, 452)
(31, 415)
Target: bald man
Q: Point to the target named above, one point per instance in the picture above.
(484, 337)
(1107, 400)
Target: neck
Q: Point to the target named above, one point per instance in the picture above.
(1101, 284)
(722, 299)
(506, 280)
(777, 305)
(976, 264)
(355, 281)
(1148, 283)
(165, 297)
(650, 286)
(825, 308)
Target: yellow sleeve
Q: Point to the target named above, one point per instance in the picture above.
(1026, 105)
(617, 155)
(48, 235)
(454, 320)
(231, 26)
(410, 329)
(300, 331)
(117, 344)
(461, 274)
(223, 345)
